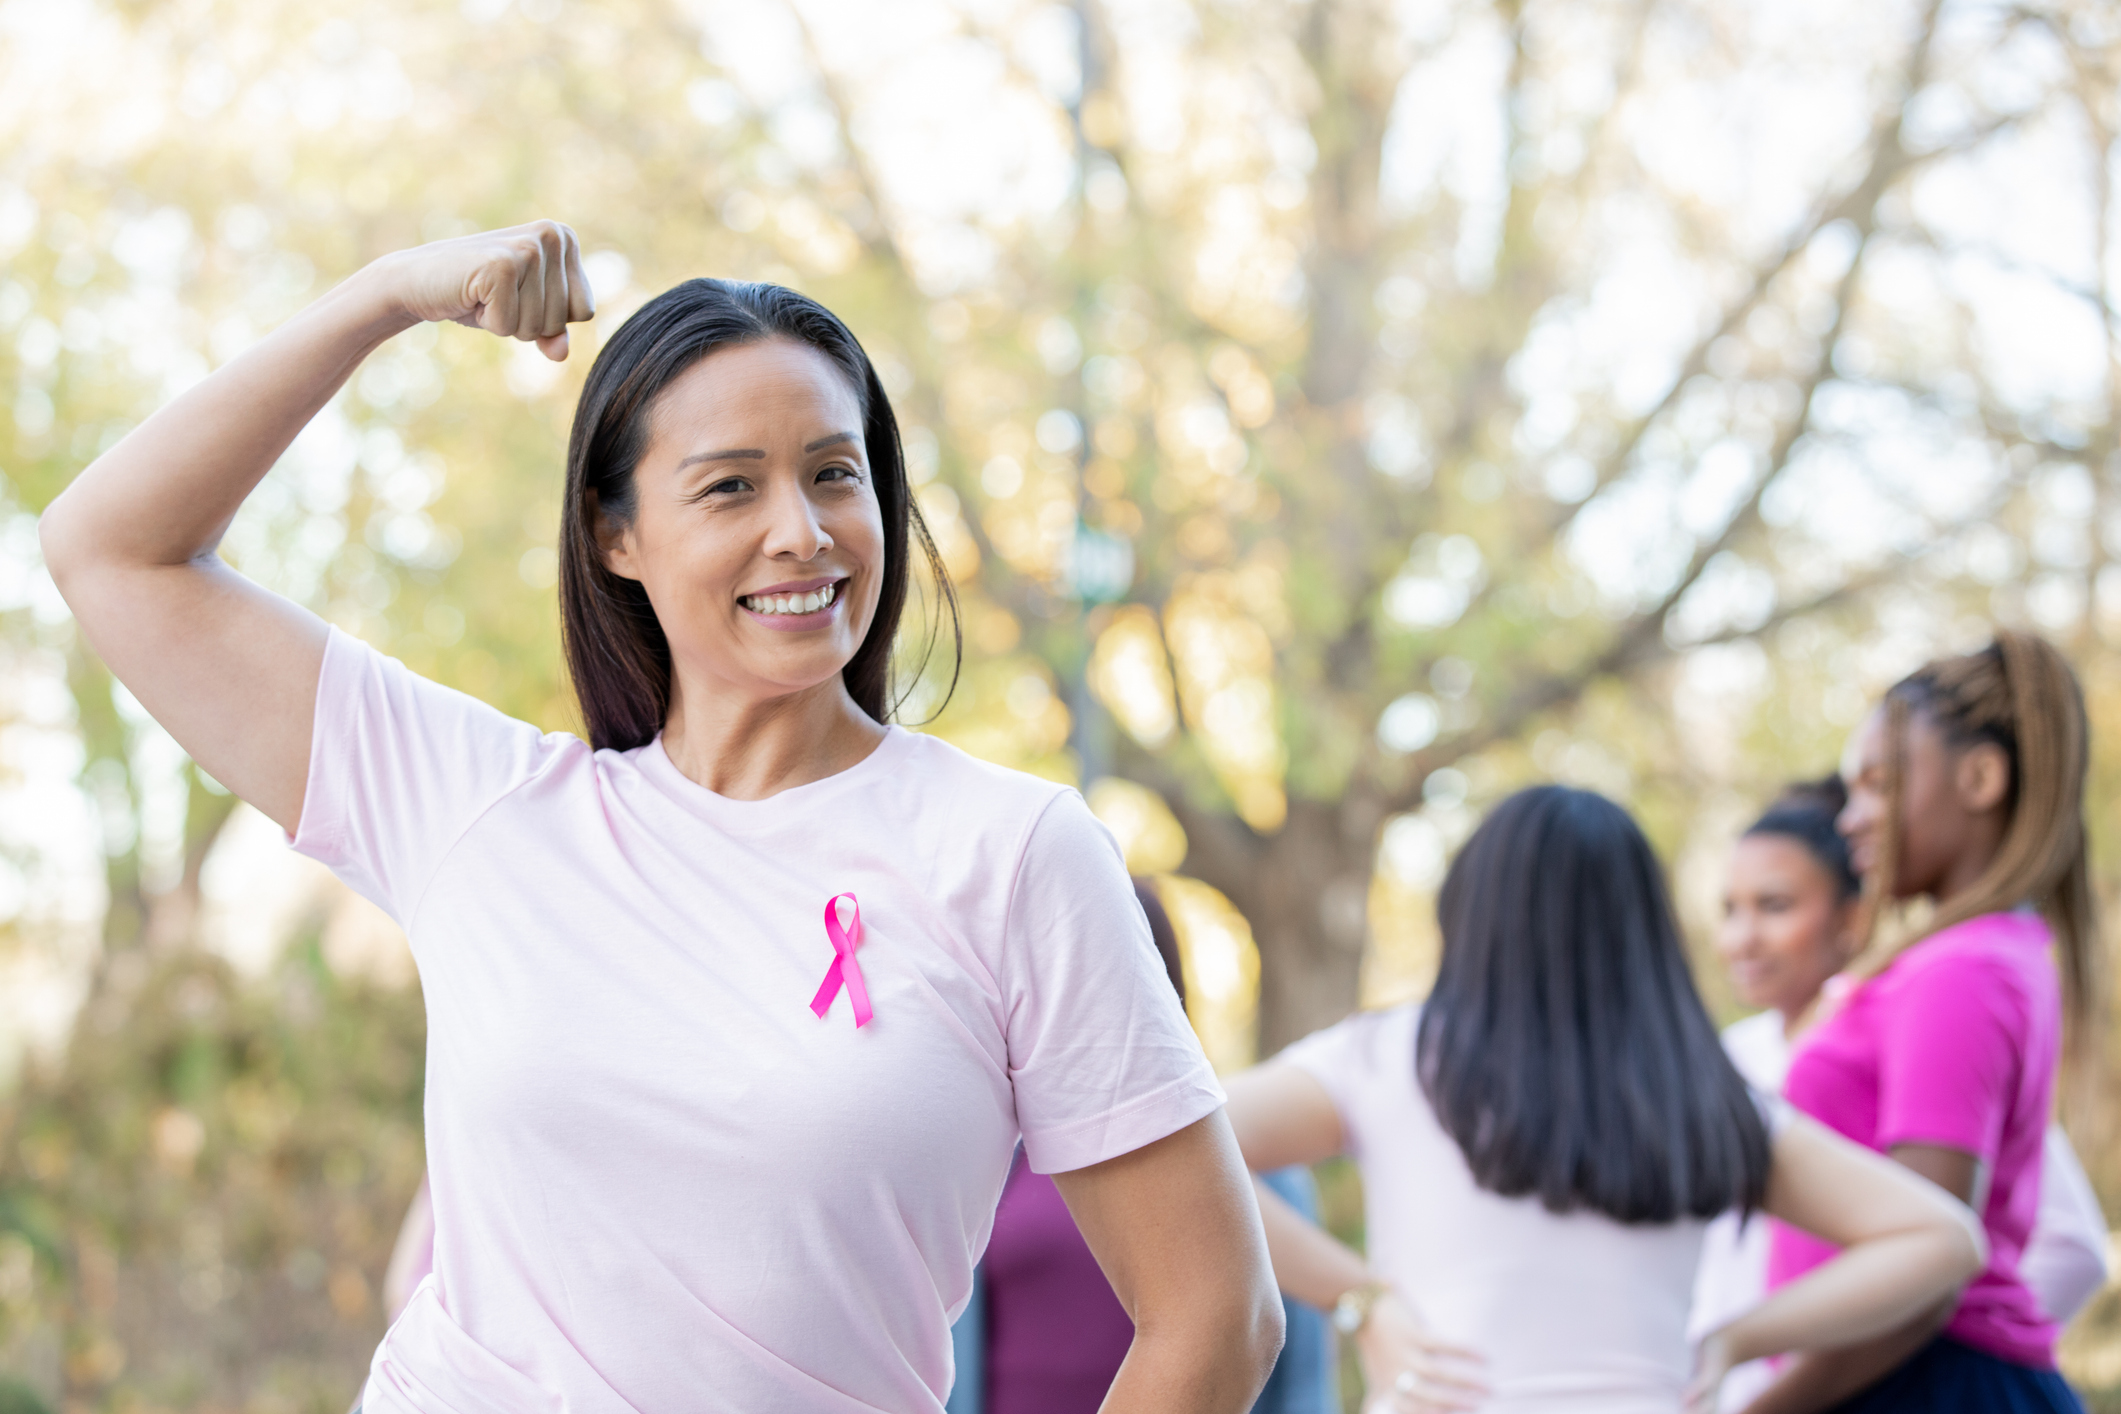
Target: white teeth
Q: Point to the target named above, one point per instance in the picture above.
(791, 603)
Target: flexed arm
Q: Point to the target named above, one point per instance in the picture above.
(227, 667)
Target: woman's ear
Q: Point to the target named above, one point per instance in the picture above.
(614, 539)
(1982, 777)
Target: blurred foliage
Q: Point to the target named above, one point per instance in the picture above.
(205, 1189)
(1336, 414)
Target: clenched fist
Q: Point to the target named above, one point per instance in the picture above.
(524, 282)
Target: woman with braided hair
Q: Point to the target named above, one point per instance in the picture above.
(1966, 789)
(1793, 915)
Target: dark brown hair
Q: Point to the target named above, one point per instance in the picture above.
(1163, 935)
(2018, 694)
(617, 654)
(1807, 813)
(1564, 1047)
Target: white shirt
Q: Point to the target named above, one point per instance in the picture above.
(661, 1183)
(1573, 1312)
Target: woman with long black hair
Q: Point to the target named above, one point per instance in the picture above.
(738, 1009)
(1544, 1139)
(1966, 788)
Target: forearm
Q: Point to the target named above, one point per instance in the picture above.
(1310, 1264)
(166, 492)
(1871, 1291)
(1822, 1379)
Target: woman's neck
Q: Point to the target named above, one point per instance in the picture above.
(749, 749)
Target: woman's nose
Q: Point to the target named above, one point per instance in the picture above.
(795, 528)
(1735, 938)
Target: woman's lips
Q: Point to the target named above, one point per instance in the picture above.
(798, 609)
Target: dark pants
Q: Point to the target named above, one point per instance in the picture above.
(1945, 1377)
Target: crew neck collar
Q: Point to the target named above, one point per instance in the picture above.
(656, 765)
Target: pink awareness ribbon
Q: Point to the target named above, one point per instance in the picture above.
(844, 968)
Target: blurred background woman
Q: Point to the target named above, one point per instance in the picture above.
(1792, 920)
(1543, 1141)
(1966, 789)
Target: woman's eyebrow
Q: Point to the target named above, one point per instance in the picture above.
(757, 455)
(751, 452)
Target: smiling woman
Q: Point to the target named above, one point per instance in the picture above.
(670, 1170)
(729, 431)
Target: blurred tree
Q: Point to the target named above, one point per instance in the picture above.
(1398, 486)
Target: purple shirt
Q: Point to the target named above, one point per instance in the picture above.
(1055, 1332)
(1954, 1044)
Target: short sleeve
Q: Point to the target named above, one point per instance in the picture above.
(1100, 1053)
(1950, 1052)
(399, 768)
(1350, 1057)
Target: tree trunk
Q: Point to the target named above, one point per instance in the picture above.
(1305, 891)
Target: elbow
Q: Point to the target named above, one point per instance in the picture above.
(57, 541)
(1967, 1242)
(1265, 1329)
(68, 544)
(1226, 1344)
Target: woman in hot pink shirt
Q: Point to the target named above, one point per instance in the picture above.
(737, 1009)
(1966, 788)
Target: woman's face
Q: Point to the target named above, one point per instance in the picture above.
(757, 533)
(1785, 928)
(1952, 805)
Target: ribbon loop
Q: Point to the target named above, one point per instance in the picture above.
(844, 969)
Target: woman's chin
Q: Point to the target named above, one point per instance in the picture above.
(785, 683)
(1755, 991)
(773, 675)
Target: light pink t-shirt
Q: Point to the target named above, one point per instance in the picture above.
(660, 1182)
(1954, 1044)
(1575, 1313)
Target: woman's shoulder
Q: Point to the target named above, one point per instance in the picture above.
(2012, 931)
(422, 737)
(1362, 1043)
(1994, 945)
(943, 758)
(1994, 965)
(1760, 1049)
(978, 794)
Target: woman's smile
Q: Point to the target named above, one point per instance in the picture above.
(794, 607)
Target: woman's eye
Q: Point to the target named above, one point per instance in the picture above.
(729, 486)
(839, 473)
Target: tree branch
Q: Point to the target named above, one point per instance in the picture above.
(1889, 161)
